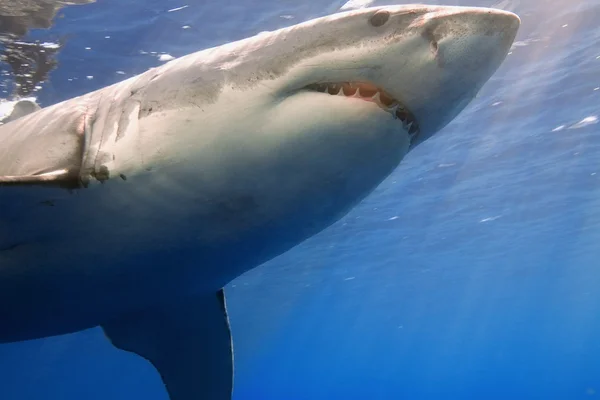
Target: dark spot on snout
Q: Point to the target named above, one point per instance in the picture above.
(379, 18)
(122, 176)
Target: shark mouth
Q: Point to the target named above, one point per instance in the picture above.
(369, 92)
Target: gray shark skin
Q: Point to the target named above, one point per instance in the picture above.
(131, 207)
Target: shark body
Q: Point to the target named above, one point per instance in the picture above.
(131, 207)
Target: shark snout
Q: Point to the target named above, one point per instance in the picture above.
(479, 37)
(466, 46)
(499, 24)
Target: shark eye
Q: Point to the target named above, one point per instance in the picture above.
(379, 18)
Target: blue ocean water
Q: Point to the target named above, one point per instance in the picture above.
(473, 272)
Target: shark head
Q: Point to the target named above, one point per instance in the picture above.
(420, 64)
(311, 118)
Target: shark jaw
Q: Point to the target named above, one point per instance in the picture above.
(371, 93)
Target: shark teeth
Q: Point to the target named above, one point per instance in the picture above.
(369, 92)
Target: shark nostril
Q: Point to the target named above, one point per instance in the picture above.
(434, 46)
(431, 36)
(379, 18)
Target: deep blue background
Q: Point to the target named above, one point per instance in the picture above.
(472, 273)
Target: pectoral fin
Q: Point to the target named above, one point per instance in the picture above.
(188, 342)
(60, 178)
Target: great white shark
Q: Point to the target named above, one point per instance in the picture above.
(131, 207)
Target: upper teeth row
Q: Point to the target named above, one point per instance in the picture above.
(390, 105)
